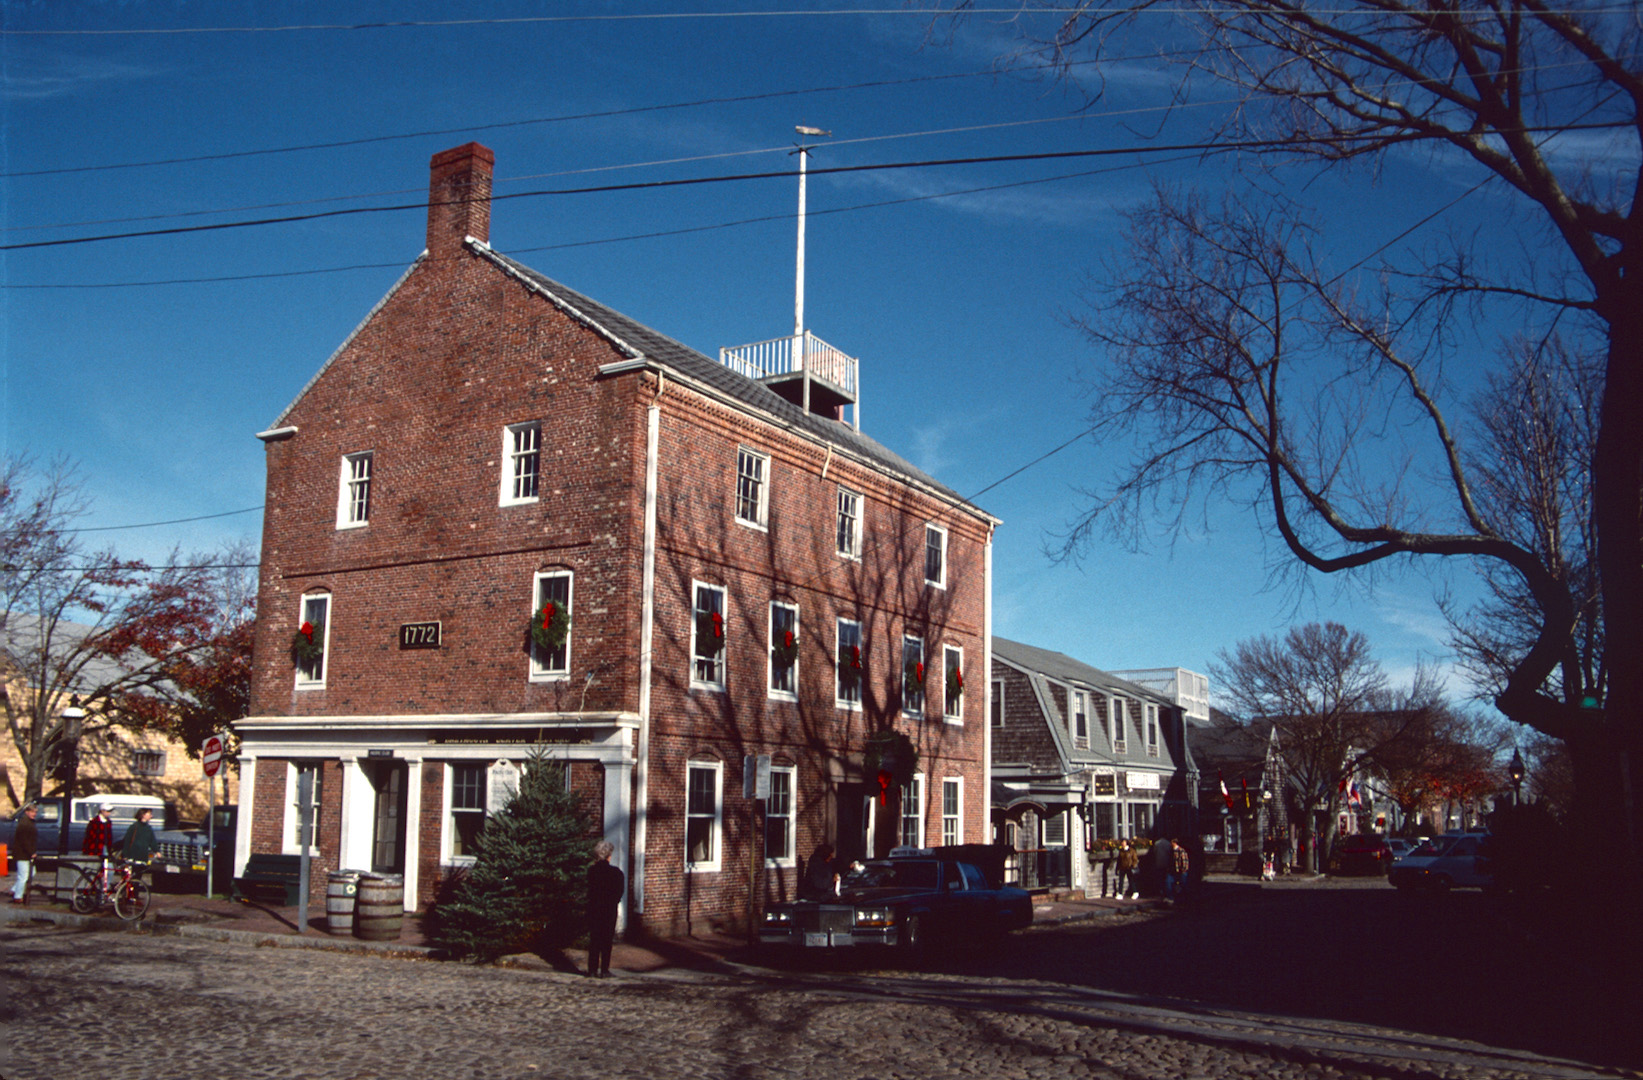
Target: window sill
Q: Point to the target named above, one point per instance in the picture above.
(532, 501)
(846, 706)
(345, 526)
(549, 676)
(956, 721)
(754, 525)
(711, 688)
(701, 868)
(790, 696)
(304, 686)
(781, 864)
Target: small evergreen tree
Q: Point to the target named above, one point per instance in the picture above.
(527, 887)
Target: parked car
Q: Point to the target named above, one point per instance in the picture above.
(183, 850)
(1445, 862)
(1400, 847)
(909, 901)
(1361, 853)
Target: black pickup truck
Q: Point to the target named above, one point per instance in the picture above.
(913, 901)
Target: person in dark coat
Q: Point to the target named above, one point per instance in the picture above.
(821, 875)
(140, 845)
(606, 887)
(25, 843)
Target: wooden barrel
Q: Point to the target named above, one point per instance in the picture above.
(379, 907)
(340, 887)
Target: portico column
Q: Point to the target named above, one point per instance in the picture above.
(413, 828)
(618, 811)
(352, 777)
(247, 810)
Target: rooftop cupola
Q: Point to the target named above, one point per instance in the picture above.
(802, 368)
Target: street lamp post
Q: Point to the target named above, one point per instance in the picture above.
(1516, 771)
(68, 745)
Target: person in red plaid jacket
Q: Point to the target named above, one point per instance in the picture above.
(99, 839)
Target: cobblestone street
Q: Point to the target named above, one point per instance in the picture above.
(1132, 998)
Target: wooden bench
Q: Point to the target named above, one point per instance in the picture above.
(283, 872)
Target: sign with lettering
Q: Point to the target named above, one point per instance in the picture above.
(1104, 784)
(504, 784)
(419, 635)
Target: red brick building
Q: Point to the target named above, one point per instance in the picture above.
(744, 573)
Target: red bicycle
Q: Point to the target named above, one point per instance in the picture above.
(116, 884)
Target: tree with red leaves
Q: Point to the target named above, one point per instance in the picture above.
(142, 648)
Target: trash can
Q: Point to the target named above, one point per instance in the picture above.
(340, 889)
(379, 907)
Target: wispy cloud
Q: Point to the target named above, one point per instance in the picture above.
(38, 77)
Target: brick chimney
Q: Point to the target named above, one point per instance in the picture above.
(459, 198)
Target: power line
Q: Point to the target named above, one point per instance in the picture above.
(649, 185)
(691, 15)
(173, 521)
(683, 231)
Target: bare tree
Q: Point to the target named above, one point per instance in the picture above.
(1532, 477)
(1495, 84)
(89, 628)
(1335, 710)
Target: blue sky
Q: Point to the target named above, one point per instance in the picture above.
(953, 284)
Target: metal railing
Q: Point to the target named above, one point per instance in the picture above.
(790, 355)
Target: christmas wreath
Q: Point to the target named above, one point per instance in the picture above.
(784, 647)
(308, 643)
(710, 626)
(550, 625)
(891, 752)
(913, 673)
(955, 684)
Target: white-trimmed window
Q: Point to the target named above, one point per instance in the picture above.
(852, 662)
(912, 676)
(1080, 719)
(521, 463)
(952, 682)
(752, 487)
(784, 651)
(849, 523)
(1152, 730)
(293, 808)
(1055, 829)
(952, 810)
(912, 812)
(995, 707)
(1116, 708)
(704, 814)
(354, 491)
(935, 555)
(707, 637)
(148, 762)
(552, 587)
(466, 787)
(316, 616)
(778, 817)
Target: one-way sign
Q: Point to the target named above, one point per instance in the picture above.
(211, 754)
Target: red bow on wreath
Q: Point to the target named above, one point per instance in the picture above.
(718, 625)
(958, 677)
(307, 630)
(787, 639)
(855, 656)
(547, 614)
(884, 785)
(918, 673)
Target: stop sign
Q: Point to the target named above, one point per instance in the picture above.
(211, 754)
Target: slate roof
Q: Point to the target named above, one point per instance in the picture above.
(641, 341)
(1043, 664)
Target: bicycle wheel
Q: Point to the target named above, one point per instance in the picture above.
(87, 896)
(131, 899)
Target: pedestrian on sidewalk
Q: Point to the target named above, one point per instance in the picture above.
(140, 844)
(99, 841)
(1128, 862)
(26, 844)
(1175, 881)
(821, 875)
(606, 887)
